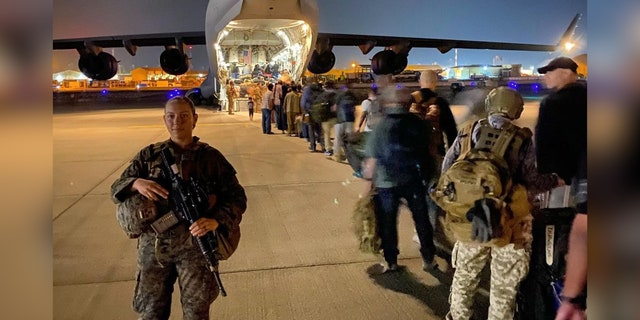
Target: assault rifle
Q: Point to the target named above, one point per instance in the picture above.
(188, 201)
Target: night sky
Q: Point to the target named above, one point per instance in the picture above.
(538, 22)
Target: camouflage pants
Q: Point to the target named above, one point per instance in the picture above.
(508, 267)
(162, 260)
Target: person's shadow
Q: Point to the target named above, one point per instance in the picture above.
(435, 298)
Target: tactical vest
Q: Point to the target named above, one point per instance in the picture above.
(482, 171)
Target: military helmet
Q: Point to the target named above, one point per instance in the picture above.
(506, 101)
(135, 214)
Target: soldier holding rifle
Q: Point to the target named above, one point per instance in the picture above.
(170, 238)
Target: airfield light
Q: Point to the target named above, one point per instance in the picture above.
(535, 87)
(569, 45)
(104, 91)
(513, 84)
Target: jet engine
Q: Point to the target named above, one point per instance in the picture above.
(321, 63)
(387, 61)
(173, 61)
(101, 66)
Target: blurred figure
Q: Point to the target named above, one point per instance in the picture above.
(399, 165)
(232, 94)
(429, 106)
(327, 116)
(345, 110)
(372, 112)
(372, 115)
(292, 108)
(561, 145)
(278, 97)
(257, 71)
(311, 126)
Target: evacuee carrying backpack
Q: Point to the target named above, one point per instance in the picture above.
(321, 107)
(482, 202)
(426, 108)
(375, 113)
(406, 155)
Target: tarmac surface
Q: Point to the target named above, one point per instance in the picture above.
(298, 257)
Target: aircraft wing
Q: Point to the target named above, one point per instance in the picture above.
(443, 45)
(198, 38)
(144, 40)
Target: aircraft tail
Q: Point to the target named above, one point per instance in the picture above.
(567, 36)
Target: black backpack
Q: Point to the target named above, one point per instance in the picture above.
(537, 298)
(405, 152)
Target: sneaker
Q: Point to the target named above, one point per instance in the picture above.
(357, 174)
(429, 265)
(328, 153)
(382, 268)
(391, 267)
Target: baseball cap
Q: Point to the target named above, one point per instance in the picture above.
(560, 62)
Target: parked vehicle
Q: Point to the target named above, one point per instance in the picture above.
(407, 76)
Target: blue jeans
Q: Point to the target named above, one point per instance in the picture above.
(266, 120)
(386, 204)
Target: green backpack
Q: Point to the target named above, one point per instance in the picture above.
(479, 172)
(321, 107)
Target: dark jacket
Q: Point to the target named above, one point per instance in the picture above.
(389, 138)
(561, 132)
(447, 121)
(346, 107)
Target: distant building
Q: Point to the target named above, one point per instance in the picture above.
(68, 75)
(477, 71)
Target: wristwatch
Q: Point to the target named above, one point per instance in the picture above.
(579, 300)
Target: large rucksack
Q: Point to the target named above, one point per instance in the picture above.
(321, 107)
(405, 154)
(481, 172)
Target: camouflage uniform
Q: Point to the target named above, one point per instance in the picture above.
(173, 254)
(509, 263)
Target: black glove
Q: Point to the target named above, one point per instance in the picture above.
(485, 220)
